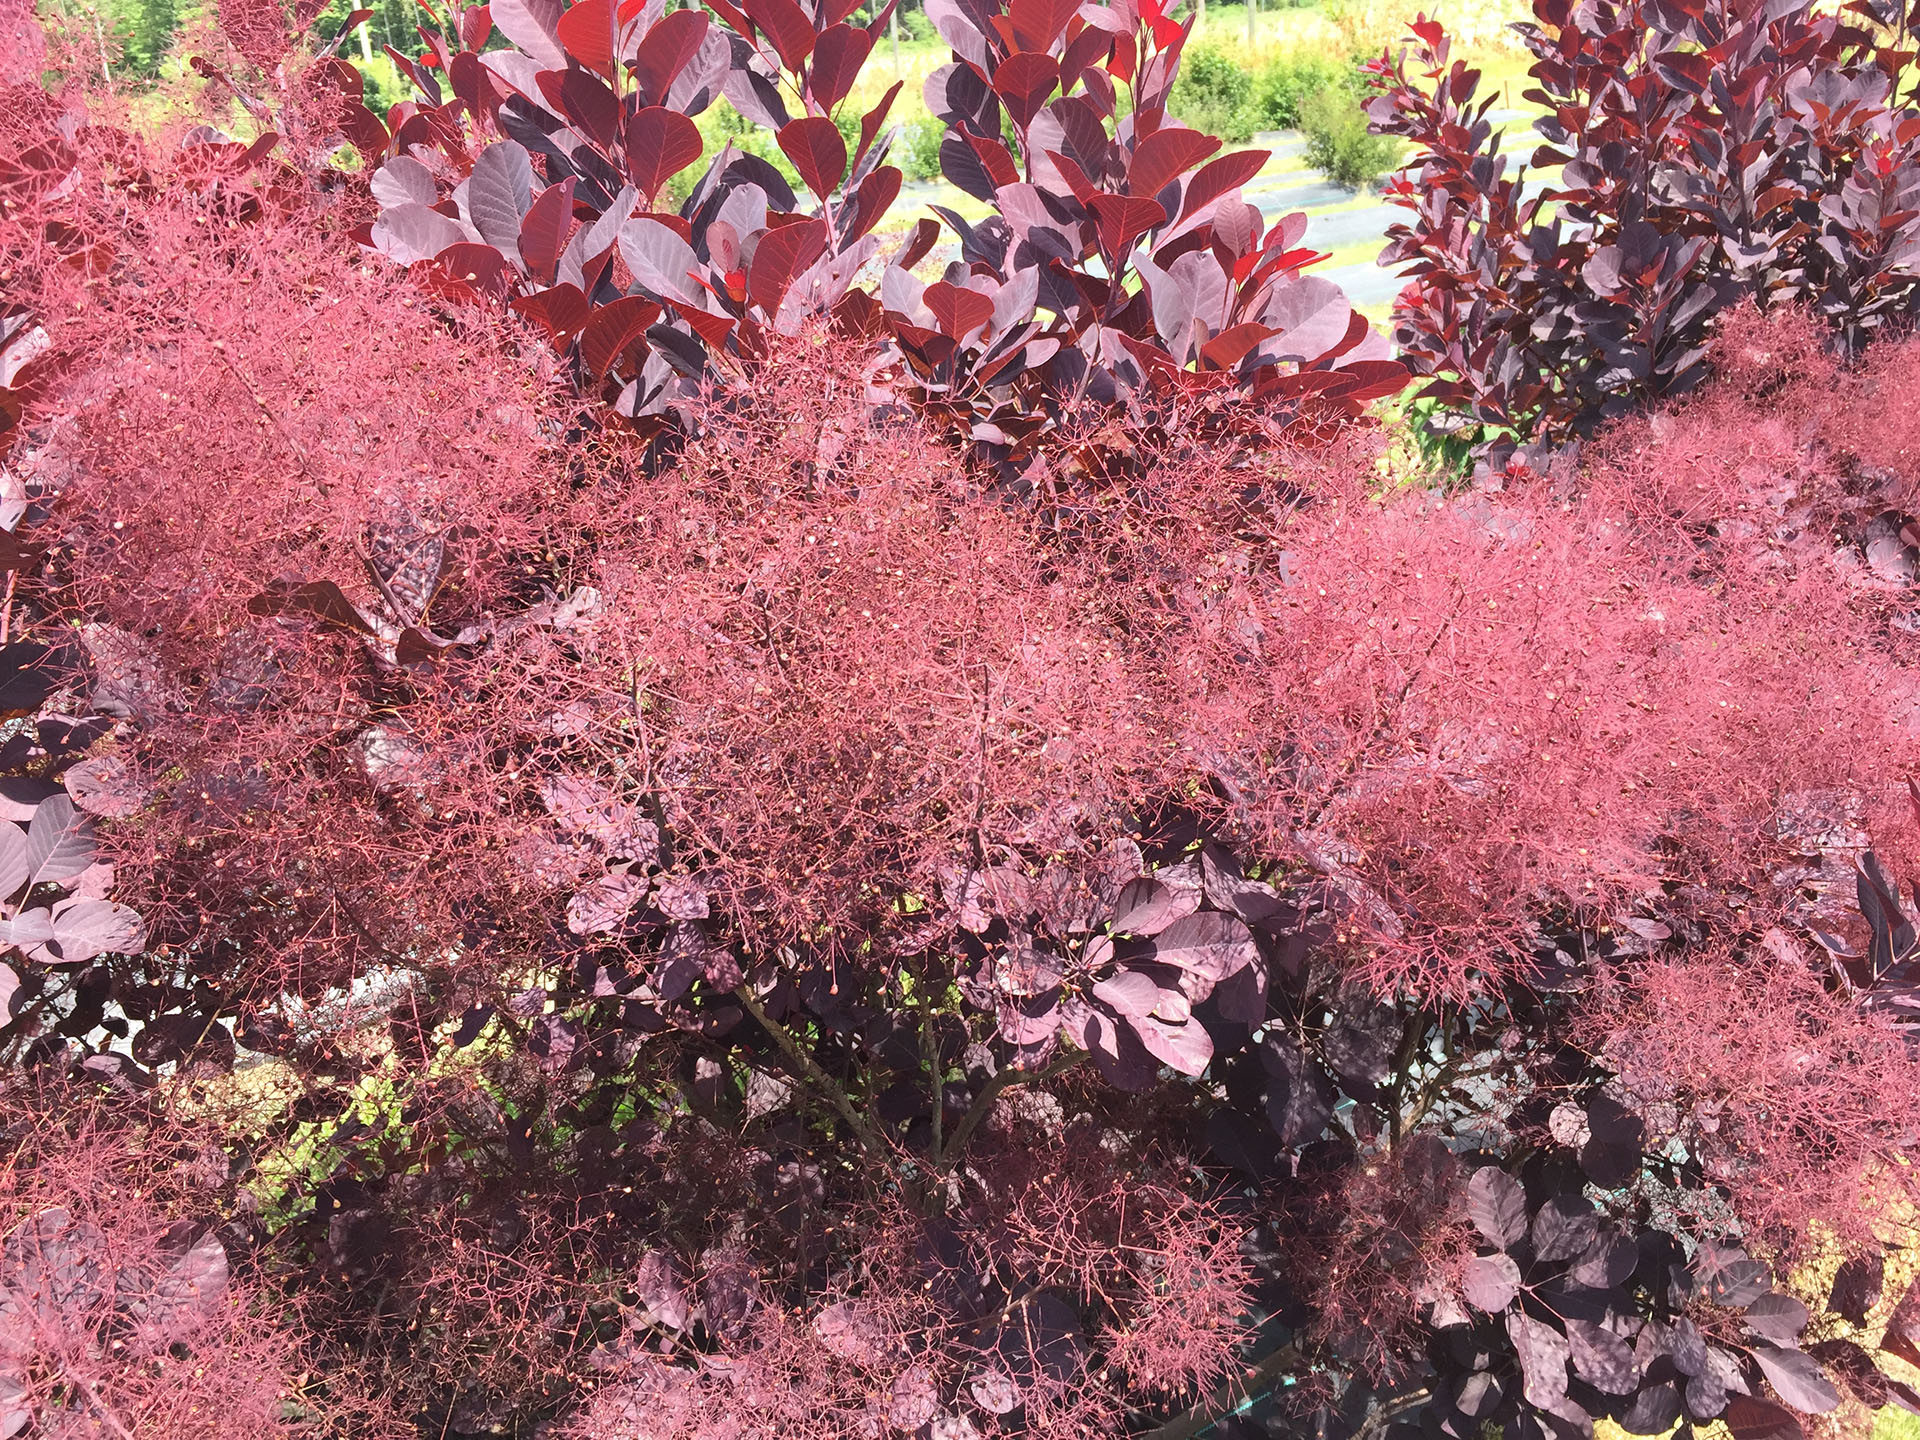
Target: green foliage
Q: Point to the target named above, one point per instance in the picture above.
(1285, 82)
(918, 151)
(1214, 94)
(1339, 145)
(917, 26)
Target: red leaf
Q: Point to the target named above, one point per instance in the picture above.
(1217, 177)
(1124, 219)
(957, 311)
(1037, 24)
(997, 159)
(665, 51)
(1025, 81)
(710, 327)
(480, 267)
(787, 26)
(818, 152)
(544, 231)
(588, 103)
(614, 328)
(1164, 156)
(782, 255)
(1076, 178)
(837, 57)
(871, 122)
(561, 311)
(660, 144)
(1373, 380)
(874, 196)
(587, 33)
(365, 132)
(475, 27)
(1227, 348)
(724, 9)
(926, 234)
(1083, 50)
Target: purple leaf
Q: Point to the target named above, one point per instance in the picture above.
(1146, 907)
(59, 841)
(533, 25)
(1796, 1379)
(1542, 1352)
(1186, 1047)
(1564, 1227)
(499, 194)
(107, 786)
(1776, 1317)
(408, 234)
(1497, 1205)
(1207, 946)
(1491, 1282)
(1602, 1358)
(13, 859)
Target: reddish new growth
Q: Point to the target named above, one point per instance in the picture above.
(1794, 1099)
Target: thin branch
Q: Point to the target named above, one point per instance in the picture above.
(983, 1102)
(835, 1093)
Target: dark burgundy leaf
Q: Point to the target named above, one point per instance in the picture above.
(561, 311)
(666, 49)
(613, 330)
(957, 311)
(1490, 1282)
(1796, 1379)
(1217, 177)
(1036, 24)
(1857, 1285)
(1601, 1358)
(1164, 156)
(817, 150)
(787, 25)
(1753, 1419)
(837, 57)
(872, 199)
(782, 256)
(660, 144)
(1025, 81)
(1497, 1205)
(1564, 1227)
(1124, 219)
(544, 231)
(1776, 1317)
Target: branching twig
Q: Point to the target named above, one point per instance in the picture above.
(835, 1093)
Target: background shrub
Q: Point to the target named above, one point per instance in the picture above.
(1214, 93)
(1284, 83)
(1339, 142)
